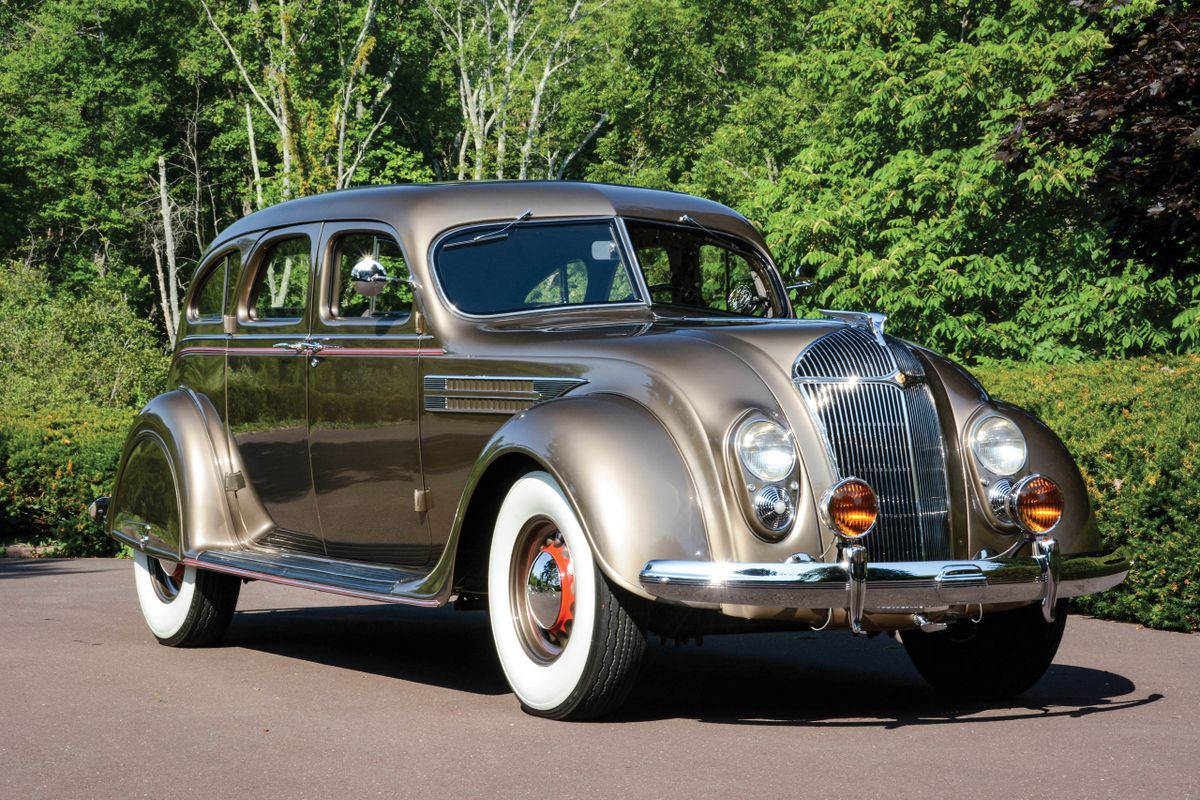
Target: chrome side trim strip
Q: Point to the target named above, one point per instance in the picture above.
(892, 587)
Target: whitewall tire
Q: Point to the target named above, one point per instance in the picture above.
(183, 606)
(565, 639)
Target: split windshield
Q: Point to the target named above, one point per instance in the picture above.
(524, 266)
(690, 269)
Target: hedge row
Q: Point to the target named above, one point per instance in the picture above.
(1134, 428)
(52, 464)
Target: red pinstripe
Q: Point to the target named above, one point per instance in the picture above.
(329, 352)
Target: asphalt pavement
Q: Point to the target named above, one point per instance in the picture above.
(315, 696)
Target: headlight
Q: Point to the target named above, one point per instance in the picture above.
(766, 450)
(999, 445)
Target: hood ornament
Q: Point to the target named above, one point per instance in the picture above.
(870, 320)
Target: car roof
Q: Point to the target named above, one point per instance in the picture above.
(422, 211)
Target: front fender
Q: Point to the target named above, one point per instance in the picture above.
(1077, 532)
(622, 473)
(169, 497)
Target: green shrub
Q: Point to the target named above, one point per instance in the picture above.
(74, 369)
(53, 463)
(1134, 428)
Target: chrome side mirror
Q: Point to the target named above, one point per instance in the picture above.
(743, 299)
(369, 277)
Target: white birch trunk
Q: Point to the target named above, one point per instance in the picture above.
(258, 194)
(172, 277)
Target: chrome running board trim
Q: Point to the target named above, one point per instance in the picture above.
(365, 581)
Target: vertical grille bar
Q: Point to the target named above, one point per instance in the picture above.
(880, 424)
(929, 456)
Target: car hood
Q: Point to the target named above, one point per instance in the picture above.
(693, 351)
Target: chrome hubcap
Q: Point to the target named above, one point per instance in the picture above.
(543, 590)
(167, 577)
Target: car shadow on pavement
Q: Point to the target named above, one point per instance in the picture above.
(437, 647)
(796, 679)
(38, 567)
(836, 680)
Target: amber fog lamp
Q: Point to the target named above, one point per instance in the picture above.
(1037, 504)
(850, 508)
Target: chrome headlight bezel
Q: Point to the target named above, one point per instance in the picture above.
(770, 491)
(1000, 432)
(760, 431)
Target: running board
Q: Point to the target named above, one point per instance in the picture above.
(366, 581)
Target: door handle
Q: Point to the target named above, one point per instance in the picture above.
(295, 347)
(312, 347)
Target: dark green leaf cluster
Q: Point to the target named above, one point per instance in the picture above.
(74, 371)
(1139, 108)
(59, 350)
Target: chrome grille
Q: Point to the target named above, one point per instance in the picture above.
(880, 424)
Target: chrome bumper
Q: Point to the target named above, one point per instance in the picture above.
(889, 587)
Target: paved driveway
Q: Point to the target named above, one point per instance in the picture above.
(316, 696)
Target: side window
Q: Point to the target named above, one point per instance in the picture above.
(208, 301)
(281, 287)
(725, 272)
(567, 285)
(394, 300)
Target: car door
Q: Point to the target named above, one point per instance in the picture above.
(267, 384)
(363, 403)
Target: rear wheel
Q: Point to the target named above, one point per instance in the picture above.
(565, 638)
(184, 606)
(1001, 656)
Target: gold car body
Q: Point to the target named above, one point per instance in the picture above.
(369, 457)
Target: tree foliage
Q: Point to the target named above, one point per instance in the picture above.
(862, 136)
(1139, 110)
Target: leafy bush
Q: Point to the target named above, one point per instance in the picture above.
(52, 464)
(74, 370)
(1134, 428)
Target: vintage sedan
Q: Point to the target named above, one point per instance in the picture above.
(592, 410)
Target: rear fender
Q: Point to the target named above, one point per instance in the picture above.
(170, 495)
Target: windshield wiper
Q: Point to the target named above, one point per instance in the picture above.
(491, 236)
(690, 220)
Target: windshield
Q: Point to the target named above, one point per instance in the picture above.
(507, 268)
(689, 269)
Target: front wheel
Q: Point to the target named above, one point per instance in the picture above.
(184, 606)
(565, 638)
(1001, 656)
